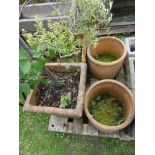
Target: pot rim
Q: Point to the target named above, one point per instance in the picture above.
(108, 63)
(129, 117)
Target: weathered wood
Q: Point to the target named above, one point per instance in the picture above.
(85, 129)
(70, 127)
(77, 126)
(121, 76)
(92, 130)
(104, 134)
(93, 80)
(116, 135)
(123, 23)
(124, 135)
(58, 124)
(117, 29)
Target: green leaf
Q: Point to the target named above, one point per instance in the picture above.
(21, 98)
(36, 54)
(24, 88)
(33, 84)
(52, 53)
(43, 46)
(37, 65)
(44, 81)
(23, 54)
(65, 100)
(25, 66)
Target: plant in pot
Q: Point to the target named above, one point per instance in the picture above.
(109, 105)
(56, 88)
(105, 57)
(59, 43)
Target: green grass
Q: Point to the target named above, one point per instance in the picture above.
(35, 139)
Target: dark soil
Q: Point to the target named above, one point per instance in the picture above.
(50, 94)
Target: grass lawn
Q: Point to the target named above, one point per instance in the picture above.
(35, 139)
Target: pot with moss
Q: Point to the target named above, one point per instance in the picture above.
(105, 57)
(63, 95)
(109, 106)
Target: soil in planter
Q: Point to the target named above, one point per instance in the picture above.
(107, 109)
(107, 57)
(50, 95)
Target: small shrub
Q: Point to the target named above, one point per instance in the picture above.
(65, 100)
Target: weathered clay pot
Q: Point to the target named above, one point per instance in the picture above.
(122, 92)
(106, 70)
(31, 103)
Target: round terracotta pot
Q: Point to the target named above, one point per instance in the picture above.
(122, 92)
(106, 70)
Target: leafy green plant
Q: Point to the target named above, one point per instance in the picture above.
(58, 39)
(90, 16)
(65, 100)
(29, 70)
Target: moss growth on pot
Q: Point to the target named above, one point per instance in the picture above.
(107, 57)
(107, 109)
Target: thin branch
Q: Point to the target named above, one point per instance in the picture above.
(51, 75)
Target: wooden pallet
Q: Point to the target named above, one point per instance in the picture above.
(82, 126)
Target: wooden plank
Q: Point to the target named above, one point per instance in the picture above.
(121, 76)
(92, 130)
(132, 130)
(70, 127)
(58, 124)
(104, 134)
(93, 80)
(116, 134)
(124, 135)
(85, 129)
(77, 126)
(116, 30)
(122, 23)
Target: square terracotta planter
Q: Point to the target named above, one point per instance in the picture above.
(32, 104)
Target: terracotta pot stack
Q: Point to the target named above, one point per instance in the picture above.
(107, 71)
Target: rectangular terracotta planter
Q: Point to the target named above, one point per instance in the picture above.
(32, 105)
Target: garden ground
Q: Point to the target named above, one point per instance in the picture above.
(35, 139)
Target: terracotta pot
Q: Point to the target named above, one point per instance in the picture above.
(32, 104)
(106, 70)
(121, 92)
